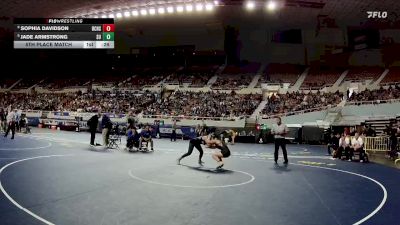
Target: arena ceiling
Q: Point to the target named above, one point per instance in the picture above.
(345, 10)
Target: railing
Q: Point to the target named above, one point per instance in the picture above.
(376, 144)
(372, 102)
(193, 117)
(296, 112)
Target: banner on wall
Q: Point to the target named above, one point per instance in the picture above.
(189, 132)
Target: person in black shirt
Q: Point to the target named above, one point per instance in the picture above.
(195, 143)
(106, 126)
(334, 144)
(131, 120)
(173, 134)
(3, 120)
(93, 122)
(370, 132)
(393, 143)
(224, 153)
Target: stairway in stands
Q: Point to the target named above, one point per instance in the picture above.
(340, 80)
(214, 78)
(299, 81)
(12, 86)
(379, 125)
(383, 75)
(257, 77)
(259, 108)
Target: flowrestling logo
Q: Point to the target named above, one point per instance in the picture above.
(377, 14)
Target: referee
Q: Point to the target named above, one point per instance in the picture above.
(279, 131)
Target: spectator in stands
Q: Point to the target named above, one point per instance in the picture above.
(357, 145)
(370, 132)
(375, 95)
(296, 101)
(106, 126)
(93, 123)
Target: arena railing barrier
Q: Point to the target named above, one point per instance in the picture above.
(379, 144)
(372, 102)
(297, 112)
(376, 144)
(194, 117)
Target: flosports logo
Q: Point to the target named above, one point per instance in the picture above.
(377, 14)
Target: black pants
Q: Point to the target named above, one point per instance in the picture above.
(345, 151)
(130, 143)
(282, 143)
(11, 126)
(173, 135)
(351, 153)
(92, 136)
(194, 143)
(331, 146)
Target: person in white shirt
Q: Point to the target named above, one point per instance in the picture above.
(344, 146)
(11, 117)
(279, 131)
(357, 145)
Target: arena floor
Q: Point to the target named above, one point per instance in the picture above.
(54, 177)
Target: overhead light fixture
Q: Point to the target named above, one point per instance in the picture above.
(161, 10)
(152, 11)
(199, 7)
(103, 16)
(216, 2)
(189, 8)
(250, 5)
(96, 16)
(111, 15)
(119, 15)
(135, 13)
(179, 8)
(127, 14)
(209, 6)
(143, 12)
(170, 9)
(271, 5)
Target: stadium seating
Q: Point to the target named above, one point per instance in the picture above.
(296, 101)
(393, 92)
(276, 73)
(359, 74)
(320, 78)
(236, 77)
(205, 104)
(393, 77)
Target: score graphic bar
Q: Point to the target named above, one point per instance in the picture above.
(65, 33)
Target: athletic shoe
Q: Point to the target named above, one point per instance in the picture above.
(286, 162)
(349, 160)
(178, 161)
(220, 166)
(201, 163)
(361, 161)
